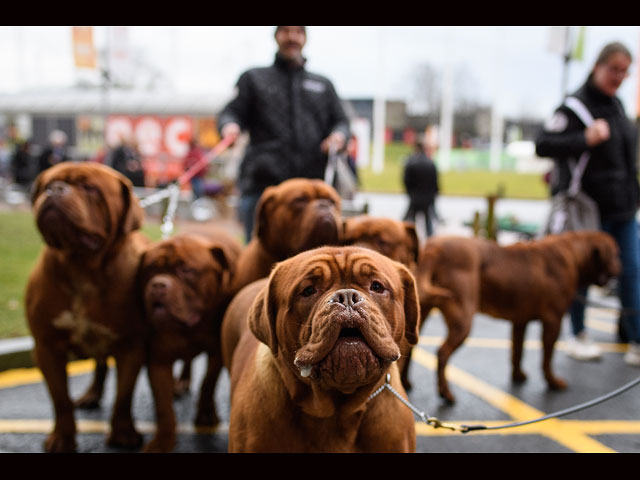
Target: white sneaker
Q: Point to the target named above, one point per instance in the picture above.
(583, 348)
(632, 357)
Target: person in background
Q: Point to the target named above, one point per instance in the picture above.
(610, 179)
(125, 158)
(420, 179)
(193, 157)
(22, 165)
(55, 152)
(292, 116)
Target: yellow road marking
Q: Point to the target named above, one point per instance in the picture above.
(96, 426)
(28, 376)
(603, 326)
(591, 427)
(503, 344)
(563, 432)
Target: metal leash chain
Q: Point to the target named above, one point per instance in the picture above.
(431, 421)
(436, 423)
(167, 221)
(173, 190)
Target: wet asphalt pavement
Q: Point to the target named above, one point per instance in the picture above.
(479, 375)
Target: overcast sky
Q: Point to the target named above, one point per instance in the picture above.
(512, 65)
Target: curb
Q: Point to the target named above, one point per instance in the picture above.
(16, 353)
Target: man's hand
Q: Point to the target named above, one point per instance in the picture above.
(231, 131)
(597, 133)
(336, 141)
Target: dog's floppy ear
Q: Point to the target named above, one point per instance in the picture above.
(263, 315)
(412, 235)
(132, 212)
(261, 217)
(221, 255)
(411, 305)
(37, 186)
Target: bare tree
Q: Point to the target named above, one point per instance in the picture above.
(426, 93)
(426, 90)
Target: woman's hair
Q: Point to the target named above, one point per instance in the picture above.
(610, 50)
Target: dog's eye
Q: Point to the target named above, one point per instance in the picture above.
(299, 201)
(186, 272)
(309, 291)
(377, 287)
(89, 188)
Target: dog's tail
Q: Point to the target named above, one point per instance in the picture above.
(431, 295)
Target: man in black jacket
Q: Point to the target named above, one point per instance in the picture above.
(293, 118)
(421, 183)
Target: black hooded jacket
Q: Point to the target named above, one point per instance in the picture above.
(611, 176)
(288, 112)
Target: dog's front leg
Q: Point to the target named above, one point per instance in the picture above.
(206, 415)
(517, 342)
(161, 380)
(93, 395)
(550, 332)
(123, 433)
(54, 369)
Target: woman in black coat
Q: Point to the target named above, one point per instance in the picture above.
(610, 179)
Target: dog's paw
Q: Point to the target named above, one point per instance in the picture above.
(89, 401)
(125, 438)
(447, 397)
(56, 443)
(180, 387)
(556, 383)
(160, 444)
(518, 376)
(206, 419)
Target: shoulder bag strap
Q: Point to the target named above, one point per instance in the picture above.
(582, 112)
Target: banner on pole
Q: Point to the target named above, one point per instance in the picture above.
(84, 51)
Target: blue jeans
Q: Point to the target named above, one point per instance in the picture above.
(247, 212)
(197, 185)
(626, 235)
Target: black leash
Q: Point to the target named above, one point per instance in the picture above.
(437, 423)
(561, 413)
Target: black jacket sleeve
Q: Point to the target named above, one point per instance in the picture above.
(238, 109)
(340, 121)
(564, 142)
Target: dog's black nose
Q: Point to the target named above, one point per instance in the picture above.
(349, 298)
(159, 286)
(58, 188)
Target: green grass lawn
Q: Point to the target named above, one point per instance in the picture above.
(469, 178)
(20, 244)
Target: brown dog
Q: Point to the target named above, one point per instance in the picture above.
(185, 282)
(80, 296)
(523, 282)
(297, 215)
(232, 247)
(392, 238)
(319, 339)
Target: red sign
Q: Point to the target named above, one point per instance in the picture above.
(162, 142)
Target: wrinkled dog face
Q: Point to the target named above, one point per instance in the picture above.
(182, 280)
(82, 208)
(394, 239)
(337, 315)
(298, 215)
